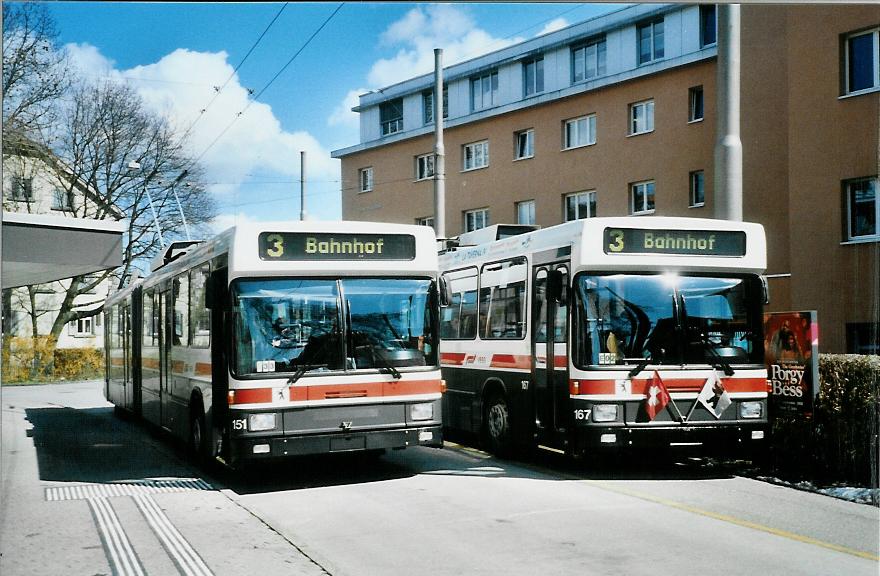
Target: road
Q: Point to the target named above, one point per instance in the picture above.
(85, 492)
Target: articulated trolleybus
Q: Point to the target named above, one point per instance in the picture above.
(281, 339)
(608, 333)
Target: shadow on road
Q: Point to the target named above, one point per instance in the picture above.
(90, 445)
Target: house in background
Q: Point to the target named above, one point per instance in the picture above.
(616, 116)
(38, 204)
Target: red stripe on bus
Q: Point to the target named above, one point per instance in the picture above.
(640, 385)
(117, 361)
(250, 396)
(453, 358)
(150, 363)
(203, 368)
(511, 361)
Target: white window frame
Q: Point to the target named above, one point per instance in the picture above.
(61, 200)
(694, 93)
(425, 221)
(655, 53)
(22, 189)
(875, 41)
(704, 8)
(697, 177)
(536, 86)
(425, 167)
(579, 132)
(645, 186)
(484, 102)
(394, 124)
(365, 180)
(582, 55)
(82, 327)
(847, 190)
(524, 144)
(527, 206)
(574, 199)
(475, 156)
(474, 217)
(635, 124)
(428, 107)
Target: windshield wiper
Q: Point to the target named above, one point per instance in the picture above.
(303, 368)
(721, 361)
(387, 366)
(641, 365)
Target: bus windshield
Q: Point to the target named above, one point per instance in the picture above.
(623, 319)
(303, 326)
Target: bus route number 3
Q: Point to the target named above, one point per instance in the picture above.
(615, 240)
(275, 249)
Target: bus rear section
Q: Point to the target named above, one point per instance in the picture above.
(607, 334)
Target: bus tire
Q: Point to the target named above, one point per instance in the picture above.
(198, 440)
(496, 427)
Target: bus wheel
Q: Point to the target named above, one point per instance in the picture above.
(497, 425)
(197, 436)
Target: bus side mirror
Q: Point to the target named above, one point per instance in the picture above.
(556, 285)
(765, 288)
(445, 293)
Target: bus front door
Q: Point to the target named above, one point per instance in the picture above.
(549, 350)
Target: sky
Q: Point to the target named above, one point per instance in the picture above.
(253, 84)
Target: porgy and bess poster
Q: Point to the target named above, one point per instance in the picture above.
(791, 352)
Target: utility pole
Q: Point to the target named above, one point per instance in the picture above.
(439, 150)
(728, 146)
(302, 185)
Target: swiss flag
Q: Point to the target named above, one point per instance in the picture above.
(657, 396)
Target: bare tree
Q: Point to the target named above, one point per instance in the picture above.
(35, 73)
(125, 162)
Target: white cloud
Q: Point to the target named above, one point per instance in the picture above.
(420, 31)
(183, 85)
(553, 26)
(342, 115)
(89, 60)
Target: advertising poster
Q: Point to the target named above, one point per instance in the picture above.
(791, 352)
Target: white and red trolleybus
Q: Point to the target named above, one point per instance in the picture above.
(278, 339)
(608, 333)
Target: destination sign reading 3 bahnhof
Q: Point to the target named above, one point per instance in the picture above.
(688, 242)
(336, 246)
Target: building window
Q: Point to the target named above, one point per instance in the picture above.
(580, 205)
(22, 189)
(428, 104)
(533, 72)
(862, 209)
(391, 116)
(642, 198)
(426, 221)
(475, 155)
(650, 41)
(579, 132)
(524, 144)
(83, 327)
(698, 189)
(484, 91)
(641, 117)
(424, 166)
(708, 25)
(476, 219)
(588, 61)
(695, 104)
(61, 200)
(862, 61)
(525, 212)
(365, 176)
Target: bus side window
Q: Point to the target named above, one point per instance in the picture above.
(561, 325)
(180, 333)
(200, 316)
(459, 319)
(503, 300)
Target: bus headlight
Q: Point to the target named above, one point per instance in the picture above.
(750, 410)
(604, 412)
(260, 422)
(423, 411)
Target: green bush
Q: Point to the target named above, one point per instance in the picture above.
(78, 363)
(840, 443)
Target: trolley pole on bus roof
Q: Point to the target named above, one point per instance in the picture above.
(302, 185)
(439, 151)
(728, 146)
